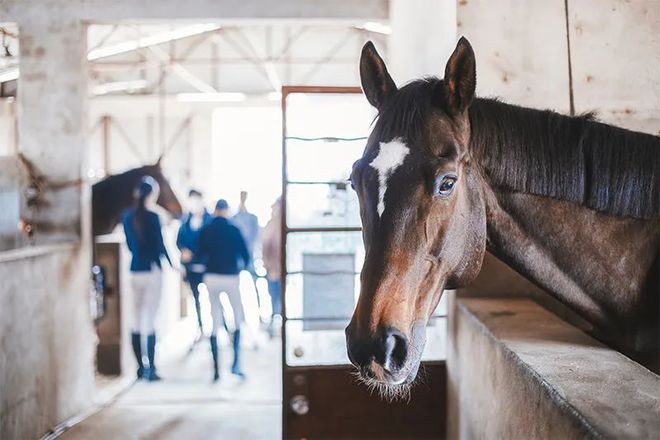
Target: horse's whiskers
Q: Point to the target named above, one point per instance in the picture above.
(388, 392)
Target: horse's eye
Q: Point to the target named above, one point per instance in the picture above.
(446, 185)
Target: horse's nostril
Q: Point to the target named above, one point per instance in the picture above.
(390, 344)
(395, 349)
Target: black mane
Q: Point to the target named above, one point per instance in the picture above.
(605, 168)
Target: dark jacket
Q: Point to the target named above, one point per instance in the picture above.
(222, 248)
(188, 238)
(146, 245)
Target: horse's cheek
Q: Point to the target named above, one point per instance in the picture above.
(473, 235)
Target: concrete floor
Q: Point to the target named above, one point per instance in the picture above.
(187, 405)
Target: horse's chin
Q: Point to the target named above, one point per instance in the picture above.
(393, 388)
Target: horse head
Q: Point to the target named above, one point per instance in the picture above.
(167, 198)
(422, 209)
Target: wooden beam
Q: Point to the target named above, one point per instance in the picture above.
(207, 10)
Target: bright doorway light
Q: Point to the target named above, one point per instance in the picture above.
(247, 156)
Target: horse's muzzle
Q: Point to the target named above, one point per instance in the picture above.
(382, 356)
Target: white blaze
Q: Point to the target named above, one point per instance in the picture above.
(390, 157)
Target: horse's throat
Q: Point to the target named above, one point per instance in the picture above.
(596, 264)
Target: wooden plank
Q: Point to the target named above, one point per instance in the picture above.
(340, 407)
(520, 49)
(615, 49)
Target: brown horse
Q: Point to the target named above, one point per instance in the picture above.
(571, 203)
(112, 195)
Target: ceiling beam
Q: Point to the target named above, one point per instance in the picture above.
(183, 73)
(140, 42)
(350, 11)
(150, 40)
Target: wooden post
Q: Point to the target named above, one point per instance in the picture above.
(106, 125)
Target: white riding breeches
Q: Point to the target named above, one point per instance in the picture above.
(216, 284)
(147, 287)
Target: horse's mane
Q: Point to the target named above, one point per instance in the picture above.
(605, 168)
(111, 181)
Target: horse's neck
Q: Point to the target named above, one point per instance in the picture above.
(595, 263)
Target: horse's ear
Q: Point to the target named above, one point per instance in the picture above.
(460, 77)
(377, 84)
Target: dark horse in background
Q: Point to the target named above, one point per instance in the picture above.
(112, 195)
(570, 203)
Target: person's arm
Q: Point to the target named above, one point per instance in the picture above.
(128, 232)
(179, 236)
(162, 250)
(202, 245)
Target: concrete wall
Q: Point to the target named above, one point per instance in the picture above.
(103, 10)
(46, 339)
(518, 371)
(8, 138)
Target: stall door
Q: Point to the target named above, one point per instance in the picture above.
(325, 131)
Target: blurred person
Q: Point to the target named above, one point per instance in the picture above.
(248, 224)
(271, 254)
(145, 242)
(223, 249)
(187, 241)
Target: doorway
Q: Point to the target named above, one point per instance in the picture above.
(325, 131)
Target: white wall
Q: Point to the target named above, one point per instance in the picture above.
(522, 56)
(7, 127)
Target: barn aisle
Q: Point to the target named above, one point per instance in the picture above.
(187, 405)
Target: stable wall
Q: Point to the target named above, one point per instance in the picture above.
(46, 333)
(518, 371)
(522, 55)
(46, 338)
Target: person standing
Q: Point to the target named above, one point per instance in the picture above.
(187, 241)
(145, 242)
(248, 224)
(272, 257)
(223, 249)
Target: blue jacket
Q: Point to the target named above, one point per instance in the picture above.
(188, 238)
(147, 247)
(222, 247)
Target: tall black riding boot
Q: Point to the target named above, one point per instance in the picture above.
(198, 310)
(136, 342)
(214, 352)
(151, 354)
(236, 365)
